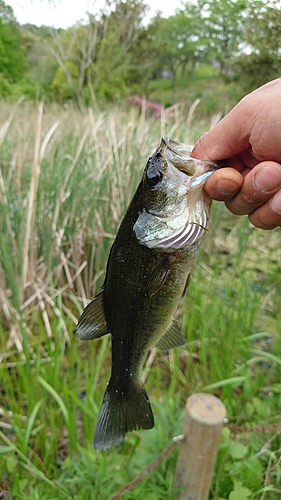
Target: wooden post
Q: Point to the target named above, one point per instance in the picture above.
(197, 457)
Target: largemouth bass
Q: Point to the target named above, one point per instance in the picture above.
(149, 267)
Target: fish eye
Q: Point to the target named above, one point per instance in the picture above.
(153, 177)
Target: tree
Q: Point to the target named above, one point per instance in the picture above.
(12, 63)
(118, 65)
(146, 56)
(99, 48)
(40, 65)
(7, 14)
(182, 40)
(262, 61)
(202, 30)
(75, 46)
(222, 28)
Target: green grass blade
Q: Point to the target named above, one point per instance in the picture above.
(6, 449)
(57, 398)
(27, 464)
(233, 381)
(29, 426)
(267, 356)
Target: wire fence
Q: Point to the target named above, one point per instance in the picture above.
(234, 429)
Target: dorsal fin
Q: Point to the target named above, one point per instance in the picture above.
(92, 323)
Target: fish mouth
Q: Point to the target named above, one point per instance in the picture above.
(179, 154)
(193, 173)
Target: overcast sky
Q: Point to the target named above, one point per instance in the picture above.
(67, 12)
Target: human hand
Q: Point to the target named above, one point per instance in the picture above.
(250, 138)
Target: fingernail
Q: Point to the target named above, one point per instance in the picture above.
(275, 202)
(227, 186)
(267, 179)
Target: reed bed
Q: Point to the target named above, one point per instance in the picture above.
(66, 178)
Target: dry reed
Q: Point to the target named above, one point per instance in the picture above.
(64, 187)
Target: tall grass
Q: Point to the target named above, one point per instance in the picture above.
(65, 181)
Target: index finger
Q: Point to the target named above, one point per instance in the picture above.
(253, 125)
(226, 139)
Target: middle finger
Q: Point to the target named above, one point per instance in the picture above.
(260, 184)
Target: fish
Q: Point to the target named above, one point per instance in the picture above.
(148, 270)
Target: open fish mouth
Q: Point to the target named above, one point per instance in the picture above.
(179, 154)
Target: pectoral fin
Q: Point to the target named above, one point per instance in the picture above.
(92, 322)
(159, 275)
(171, 338)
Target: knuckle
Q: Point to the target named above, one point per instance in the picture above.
(265, 218)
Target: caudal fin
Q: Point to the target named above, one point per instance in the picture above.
(120, 414)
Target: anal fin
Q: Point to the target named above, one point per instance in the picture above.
(92, 322)
(171, 338)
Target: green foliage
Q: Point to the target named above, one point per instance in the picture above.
(12, 61)
(61, 89)
(12, 57)
(109, 80)
(180, 42)
(263, 37)
(224, 28)
(100, 52)
(204, 84)
(40, 66)
(244, 469)
(6, 13)
(6, 88)
(113, 54)
(201, 31)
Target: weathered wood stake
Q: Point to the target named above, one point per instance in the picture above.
(197, 457)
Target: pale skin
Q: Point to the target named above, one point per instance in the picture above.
(249, 137)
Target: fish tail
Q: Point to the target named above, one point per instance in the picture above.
(121, 413)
